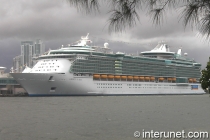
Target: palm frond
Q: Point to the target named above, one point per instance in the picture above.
(205, 25)
(85, 5)
(157, 15)
(123, 15)
(191, 14)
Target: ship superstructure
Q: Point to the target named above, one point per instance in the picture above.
(81, 69)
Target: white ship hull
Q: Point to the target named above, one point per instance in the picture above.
(39, 84)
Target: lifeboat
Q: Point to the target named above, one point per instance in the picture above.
(169, 79)
(194, 80)
(96, 76)
(190, 80)
(147, 78)
(110, 76)
(141, 78)
(173, 79)
(152, 78)
(124, 77)
(130, 77)
(103, 76)
(161, 79)
(135, 77)
(117, 77)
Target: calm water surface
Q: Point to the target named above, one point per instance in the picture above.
(100, 117)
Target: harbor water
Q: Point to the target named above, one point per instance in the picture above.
(100, 117)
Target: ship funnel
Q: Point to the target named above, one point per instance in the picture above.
(179, 52)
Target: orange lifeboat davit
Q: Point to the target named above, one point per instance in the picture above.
(110, 76)
(173, 79)
(152, 78)
(161, 79)
(147, 78)
(96, 76)
(190, 80)
(130, 77)
(135, 77)
(141, 78)
(124, 77)
(117, 77)
(169, 79)
(103, 76)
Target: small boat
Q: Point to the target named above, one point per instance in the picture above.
(130, 77)
(124, 77)
(103, 76)
(110, 76)
(96, 76)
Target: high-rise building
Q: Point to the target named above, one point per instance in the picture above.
(27, 52)
(29, 49)
(17, 64)
(39, 48)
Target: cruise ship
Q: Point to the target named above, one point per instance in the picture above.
(82, 69)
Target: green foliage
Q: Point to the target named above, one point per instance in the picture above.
(205, 78)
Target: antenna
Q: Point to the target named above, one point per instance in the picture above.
(87, 35)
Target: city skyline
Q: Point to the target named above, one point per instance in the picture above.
(57, 23)
(29, 50)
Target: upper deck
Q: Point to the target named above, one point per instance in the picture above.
(83, 58)
(160, 53)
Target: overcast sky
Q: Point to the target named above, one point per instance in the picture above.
(57, 23)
